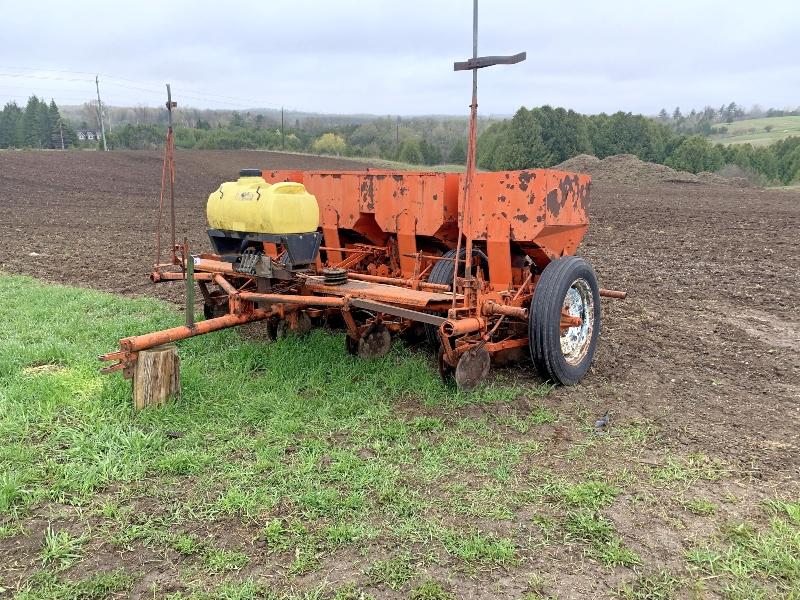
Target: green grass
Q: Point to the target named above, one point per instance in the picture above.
(61, 549)
(221, 561)
(752, 560)
(70, 431)
(394, 572)
(700, 506)
(297, 426)
(44, 585)
(662, 585)
(431, 590)
(480, 548)
(752, 131)
(687, 470)
(603, 543)
(298, 455)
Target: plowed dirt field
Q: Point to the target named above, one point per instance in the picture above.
(705, 350)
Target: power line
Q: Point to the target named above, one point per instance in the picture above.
(46, 70)
(203, 95)
(43, 77)
(209, 97)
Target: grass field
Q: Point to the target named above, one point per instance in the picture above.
(292, 470)
(751, 131)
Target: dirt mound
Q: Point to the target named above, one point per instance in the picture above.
(630, 169)
(717, 179)
(583, 163)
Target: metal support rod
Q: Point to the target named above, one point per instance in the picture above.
(463, 222)
(292, 299)
(465, 217)
(212, 266)
(171, 151)
(471, 153)
(494, 308)
(150, 340)
(189, 262)
(225, 285)
(439, 287)
(461, 326)
(157, 276)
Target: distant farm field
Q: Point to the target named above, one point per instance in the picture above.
(754, 131)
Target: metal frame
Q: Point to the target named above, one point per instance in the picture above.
(388, 230)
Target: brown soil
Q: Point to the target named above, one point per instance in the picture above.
(88, 218)
(706, 347)
(707, 341)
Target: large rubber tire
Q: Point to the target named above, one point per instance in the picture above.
(564, 359)
(442, 273)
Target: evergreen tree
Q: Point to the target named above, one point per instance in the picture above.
(410, 152)
(56, 125)
(31, 124)
(458, 153)
(696, 154)
(524, 148)
(564, 133)
(431, 155)
(488, 142)
(11, 126)
(44, 126)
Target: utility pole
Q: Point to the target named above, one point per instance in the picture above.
(283, 136)
(100, 112)
(397, 133)
(61, 132)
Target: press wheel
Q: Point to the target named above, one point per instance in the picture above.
(302, 326)
(376, 341)
(472, 368)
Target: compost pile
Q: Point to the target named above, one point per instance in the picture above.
(630, 169)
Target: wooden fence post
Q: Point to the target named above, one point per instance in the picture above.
(157, 376)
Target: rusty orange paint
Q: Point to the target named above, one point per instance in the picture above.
(389, 228)
(541, 212)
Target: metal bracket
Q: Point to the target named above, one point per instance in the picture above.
(403, 313)
(487, 61)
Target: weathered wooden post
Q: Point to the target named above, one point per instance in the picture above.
(157, 376)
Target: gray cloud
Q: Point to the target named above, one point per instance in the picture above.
(390, 57)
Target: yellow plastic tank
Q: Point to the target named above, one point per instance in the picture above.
(251, 205)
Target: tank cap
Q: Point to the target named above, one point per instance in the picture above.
(250, 173)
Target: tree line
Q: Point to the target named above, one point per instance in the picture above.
(536, 137)
(413, 140)
(38, 125)
(546, 136)
(710, 120)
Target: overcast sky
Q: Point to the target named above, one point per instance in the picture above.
(395, 57)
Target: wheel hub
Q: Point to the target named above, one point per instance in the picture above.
(578, 314)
